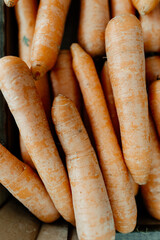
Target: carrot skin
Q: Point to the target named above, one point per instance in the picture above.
(10, 3)
(18, 88)
(126, 63)
(48, 34)
(24, 153)
(145, 7)
(94, 219)
(110, 156)
(121, 7)
(152, 69)
(26, 186)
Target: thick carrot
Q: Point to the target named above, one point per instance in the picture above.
(110, 156)
(26, 186)
(108, 93)
(145, 6)
(151, 191)
(93, 214)
(24, 153)
(152, 69)
(126, 63)
(154, 101)
(18, 88)
(151, 30)
(48, 35)
(119, 7)
(135, 186)
(94, 16)
(10, 3)
(63, 79)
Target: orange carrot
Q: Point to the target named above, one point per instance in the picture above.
(145, 6)
(151, 191)
(119, 7)
(10, 3)
(48, 35)
(108, 93)
(26, 186)
(126, 63)
(152, 69)
(93, 214)
(110, 156)
(24, 153)
(135, 186)
(154, 101)
(151, 30)
(63, 79)
(18, 88)
(94, 16)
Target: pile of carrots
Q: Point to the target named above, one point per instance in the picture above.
(117, 112)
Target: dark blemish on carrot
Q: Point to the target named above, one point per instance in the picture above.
(26, 41)
(80, 130)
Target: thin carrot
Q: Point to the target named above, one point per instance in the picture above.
(63, 79)
(24, 153)
(151, 30)
(94, 16)
(145, 6)
(108, 93)
(154, 101)
(26, 186)
(48, 35)
(93, 214)
(135, 186)
(10, 3)
(151, 191)
(110, 156)
(152, 69)
(126, 63)
(18, 88)
(119, 7)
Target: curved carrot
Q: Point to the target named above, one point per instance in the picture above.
(119, 7)
(10, 3)
(126, 62)
(63, 79)
(18, 88)
(151, 191)
(151, 30)
(48, 35)
(152, 69)
(145, 6)
(94, 16)
(93, 214)
(154, 101)
(110, 156)
(26, 186)
(108, 93)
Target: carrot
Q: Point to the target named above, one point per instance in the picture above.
(63, 79)
(25, 185)
(24, 153)
(10, 3)
(127, 76)
(151, 30)
(93, 214)
(154, 101)
(110, 156)
(121, 7)
(152, 69)
(145, 6)
(18, 88)
(108, 93)
(48, 35)
(151, 191)
(135, 186)
(94, 16)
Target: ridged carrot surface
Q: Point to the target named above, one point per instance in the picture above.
(18, 88)
(152, 69)
(151, 191)
(126, 63)
(63, 79)
(154, 101)
(48, 34)
(10, 3)
(94, 16)
(109, 153)
(145, 6)
(26, 186)
(93, 214)
(119, 7)
(151, 30)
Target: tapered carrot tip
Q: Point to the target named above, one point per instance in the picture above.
(38, 71)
